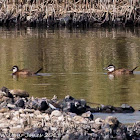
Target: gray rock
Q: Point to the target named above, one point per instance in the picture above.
(20, 103)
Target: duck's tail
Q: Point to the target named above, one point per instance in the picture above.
(38, 71)
(134, 69)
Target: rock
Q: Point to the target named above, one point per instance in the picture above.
(38, 104)
(72, 114)
(107, 109)
(69, 104)
(29, 110)
(40, 116)
(20, 103)
(49, 110)
(56, 113)
(119, 110)
(4, 125)
(29, 18)
(43, 105)
(51, 106)
(88, 115)
(65, 137)
(35, 133)
(76, 136)
(23, 122)
(19, 92)
(135, 130)
(79, 119)
(99, 121)
(111, 121)
(8, 116)
(68, 98)
(1, 115)
(127, 109)
(3, 110)
(47, 117)
(11, 106)
(16, 130)
(37, 112)
(54, 98)
(97, 124)
(6, 92)
(7, 100)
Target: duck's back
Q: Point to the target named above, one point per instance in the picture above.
(23, 72)
(121, 71)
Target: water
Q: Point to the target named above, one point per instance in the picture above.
(73, 63)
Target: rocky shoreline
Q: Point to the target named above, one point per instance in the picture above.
(68, 119)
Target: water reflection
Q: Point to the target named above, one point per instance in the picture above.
(73, 63)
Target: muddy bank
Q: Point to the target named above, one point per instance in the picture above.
(70, 13)
(30, 118)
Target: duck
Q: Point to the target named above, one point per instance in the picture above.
(121, 71)
(26, 72)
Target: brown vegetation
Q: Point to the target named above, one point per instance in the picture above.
(73, 12)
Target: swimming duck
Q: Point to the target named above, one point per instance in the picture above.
(111, 70)
(26, 72)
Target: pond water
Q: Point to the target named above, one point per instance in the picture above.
(73, 62)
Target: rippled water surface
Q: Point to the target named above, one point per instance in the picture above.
(73, 62)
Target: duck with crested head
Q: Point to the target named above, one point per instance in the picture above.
(18, 72)
(121, 71)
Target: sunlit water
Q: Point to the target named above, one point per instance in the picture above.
(73, 63)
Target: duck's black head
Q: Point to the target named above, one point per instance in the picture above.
(15, 69)
(110, 68)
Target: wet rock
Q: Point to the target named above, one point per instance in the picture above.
(52, 106)
(69, 104)
(20, 103)
(111, 109)
(93, 110)
(68, 98)
(19, 92)
(43, 105)
(49, 110)
(6, 92)
(119, 110)
(107, 109)
(127, 109)
(38, 104)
